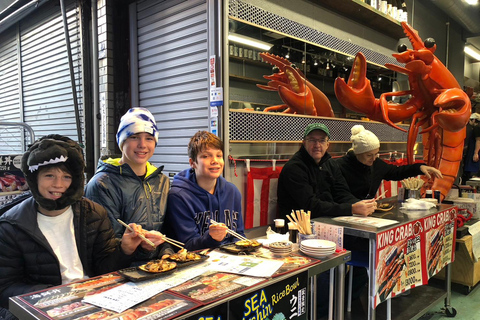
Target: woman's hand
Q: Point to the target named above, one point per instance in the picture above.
(364, 207)
(218, 231)
(429, 171)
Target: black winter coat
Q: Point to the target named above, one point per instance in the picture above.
(364, 181)
(28, 263)
(321, 188)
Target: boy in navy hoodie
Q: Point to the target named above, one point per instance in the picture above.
(200, 194)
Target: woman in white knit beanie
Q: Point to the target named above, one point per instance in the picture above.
(364, 171)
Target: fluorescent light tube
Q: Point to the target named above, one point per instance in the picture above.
(472, 52)
(249, 41)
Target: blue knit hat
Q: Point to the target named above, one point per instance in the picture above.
(136, 120)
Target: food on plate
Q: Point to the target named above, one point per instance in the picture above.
(248, 244)
(183, 256)
(384, 206)
(156, 266)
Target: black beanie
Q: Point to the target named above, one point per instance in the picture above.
(50, 150)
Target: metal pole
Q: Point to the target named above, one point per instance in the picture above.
(72, 74)
(95, 83)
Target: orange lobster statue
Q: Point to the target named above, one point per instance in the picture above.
(436, 103)
(299, 95)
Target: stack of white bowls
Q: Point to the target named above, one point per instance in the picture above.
(281, 249)
(317, 248)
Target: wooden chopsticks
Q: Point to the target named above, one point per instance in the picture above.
(169, 240)
(380, 196)
(233, 233)
(140, 235)
(302, 220)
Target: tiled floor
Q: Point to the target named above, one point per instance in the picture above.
(466, 306)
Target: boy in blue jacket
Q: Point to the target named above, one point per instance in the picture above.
(199, 194)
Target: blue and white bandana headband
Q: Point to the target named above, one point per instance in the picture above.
(136, 120)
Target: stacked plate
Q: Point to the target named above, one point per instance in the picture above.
(317, 248)
(281, 249)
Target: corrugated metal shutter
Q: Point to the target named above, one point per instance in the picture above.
(10, 137)
(173, 74)
(47, 91)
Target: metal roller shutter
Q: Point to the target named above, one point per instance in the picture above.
(173, 74)
(47, 92)
(10, 137)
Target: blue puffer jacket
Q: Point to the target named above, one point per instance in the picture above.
(125, 196)
(27, 261)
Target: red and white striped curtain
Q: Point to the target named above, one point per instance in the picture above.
(261, 206)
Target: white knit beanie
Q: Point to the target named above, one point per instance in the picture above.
(136, 120)
(363, 140)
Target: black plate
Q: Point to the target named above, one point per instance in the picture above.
(134, 274)
(233, 248)
(181, 264)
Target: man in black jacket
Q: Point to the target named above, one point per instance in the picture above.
(311, 180)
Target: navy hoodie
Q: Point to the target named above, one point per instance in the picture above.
(190, 208)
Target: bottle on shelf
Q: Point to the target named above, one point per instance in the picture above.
(389, 7)
(399, 16)
(404, 12)
(394, 9)
(374, 4)
(383, 6)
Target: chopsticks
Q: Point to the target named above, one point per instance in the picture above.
(140, 235)
(166, 239)
(302, 221)
(413, 183)
(380, 196)
(233, 233)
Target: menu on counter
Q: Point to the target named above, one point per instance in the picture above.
(129, 294)
(243, 265)
(366, 221)
(410, 254)
(69, 302)
(214, 285)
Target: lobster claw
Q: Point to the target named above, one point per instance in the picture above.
(357, 94)
(454, 109)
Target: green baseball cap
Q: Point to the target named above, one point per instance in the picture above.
(316, 126)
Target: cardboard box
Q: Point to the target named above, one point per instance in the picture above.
(465, 270)
(472, 204)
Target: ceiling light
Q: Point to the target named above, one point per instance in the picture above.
(472, 2)
(234, 37)
(287, 56)
(472, 51)
(315, 63)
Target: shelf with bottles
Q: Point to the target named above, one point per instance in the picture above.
(247, 106)
(368, 15)
(244, 55)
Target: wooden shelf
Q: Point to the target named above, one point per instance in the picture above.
(246, 79)
(365, 14)
(250, 61)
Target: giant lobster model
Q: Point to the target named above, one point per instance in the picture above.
(437, 104)
(299, 95)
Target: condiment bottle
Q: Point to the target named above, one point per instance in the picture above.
(293, 232)
(429, 194)
(280, 226)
